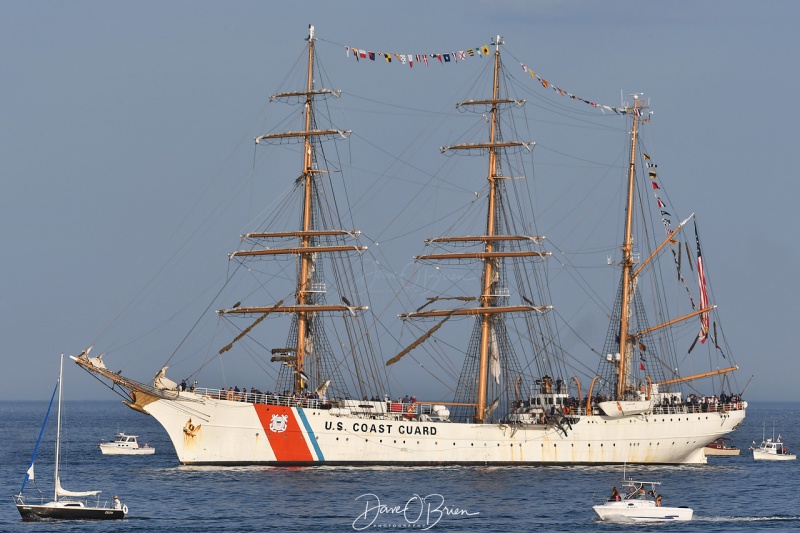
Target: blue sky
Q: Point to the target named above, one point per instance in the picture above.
(127, 130)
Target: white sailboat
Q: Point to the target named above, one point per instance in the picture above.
(66, 504)
(508, 407)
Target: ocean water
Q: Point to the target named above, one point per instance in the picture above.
(729, 494)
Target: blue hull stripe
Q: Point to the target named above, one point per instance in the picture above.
(310, 433)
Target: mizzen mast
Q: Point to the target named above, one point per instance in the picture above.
(625, 339)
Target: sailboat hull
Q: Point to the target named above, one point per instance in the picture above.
(207, 431)
(66, 511)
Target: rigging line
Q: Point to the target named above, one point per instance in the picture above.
(573, 272)
(575, 332)
(422, 112)
(424, 225)
(202, 314)
(406, 163)
(594, 163)
(216, 176)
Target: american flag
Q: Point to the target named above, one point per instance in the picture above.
(701, 275)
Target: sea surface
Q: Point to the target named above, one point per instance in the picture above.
(729, 494)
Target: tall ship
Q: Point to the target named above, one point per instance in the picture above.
(515, 400)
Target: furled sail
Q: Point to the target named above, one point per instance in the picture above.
(161, 381)
(494, 357)
(61, 491)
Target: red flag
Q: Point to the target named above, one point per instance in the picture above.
(655, 185)
(641, 366)
(701, 276)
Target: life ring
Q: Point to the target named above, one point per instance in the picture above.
(410, 409)
(124, 509)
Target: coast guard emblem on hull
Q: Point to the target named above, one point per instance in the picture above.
(278, 423)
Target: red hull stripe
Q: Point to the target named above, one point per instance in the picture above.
(284, 433)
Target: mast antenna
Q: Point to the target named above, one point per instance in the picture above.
(497, 41)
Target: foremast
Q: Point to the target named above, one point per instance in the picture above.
(309, 236)
(492, 301)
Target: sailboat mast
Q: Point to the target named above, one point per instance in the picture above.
(486, 298)
(624, 363)
(304, 280)
(58, 430)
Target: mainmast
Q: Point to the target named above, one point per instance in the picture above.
(625, 339)
(486, 298)
(492, 301)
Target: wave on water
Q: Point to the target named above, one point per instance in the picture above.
(778, 518)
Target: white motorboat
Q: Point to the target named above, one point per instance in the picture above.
(125, 445)
(640, 502)
(772, 450)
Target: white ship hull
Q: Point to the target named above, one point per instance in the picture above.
(208, 431)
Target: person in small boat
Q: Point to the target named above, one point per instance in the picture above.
(117, 503)
(615, 497)
(640, 494)
(658, 500)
